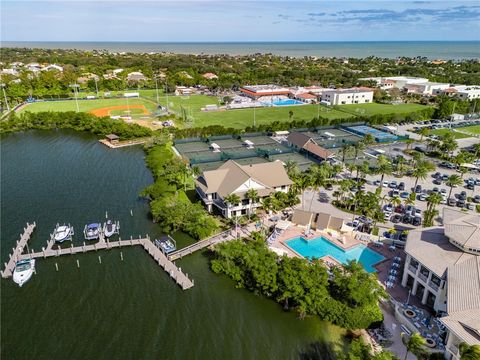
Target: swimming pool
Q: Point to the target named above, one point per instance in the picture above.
(284, 102)
(320, 247)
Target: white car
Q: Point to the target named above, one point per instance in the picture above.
(385, 184)
(422, 197)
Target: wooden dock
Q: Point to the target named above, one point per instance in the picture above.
(18, 254)
(18, 250)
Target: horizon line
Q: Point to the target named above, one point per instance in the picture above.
(230, 42)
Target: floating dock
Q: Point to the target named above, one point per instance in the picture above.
(18, 254)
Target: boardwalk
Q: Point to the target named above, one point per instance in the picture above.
(175, 272)
(18, 250)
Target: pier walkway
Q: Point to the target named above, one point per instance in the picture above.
(18, 254)
(18, 250)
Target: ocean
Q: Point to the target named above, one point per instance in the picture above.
(448, 50)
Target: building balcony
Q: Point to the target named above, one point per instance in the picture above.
(412, 269)
(423, 277)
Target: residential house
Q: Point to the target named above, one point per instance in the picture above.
(53, 67)
(306, 97)
(136, 76)
(305, 144)
(232, 178)
(210, 76)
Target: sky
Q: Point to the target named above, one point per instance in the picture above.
(230, 21)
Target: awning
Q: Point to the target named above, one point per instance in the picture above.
(283, 224)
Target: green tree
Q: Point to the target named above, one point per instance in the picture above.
(453, 180)
(414, 344)
(469, 352)
(424, 131)
(421, 170)
(252, 196)
(384, 167)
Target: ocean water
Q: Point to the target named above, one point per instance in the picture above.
(454, 50)
(127, 309)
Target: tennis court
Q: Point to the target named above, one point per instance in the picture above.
(260, 140)
(227, 143)
(203, 156)
(184, 148)
(296, 157)
(380, 136)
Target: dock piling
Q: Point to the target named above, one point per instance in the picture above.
(78, 264)
(99, 259)
(121, 255)
(56, 266)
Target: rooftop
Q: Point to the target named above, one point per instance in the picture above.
(462, 229)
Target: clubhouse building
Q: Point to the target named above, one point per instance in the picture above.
(442, 270)
(232, 178)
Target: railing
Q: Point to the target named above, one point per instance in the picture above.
(422, 277)
(412, 268)
(433, 285)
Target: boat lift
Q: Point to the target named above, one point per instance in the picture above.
(92, 236)
(166, 244)
(116, 228)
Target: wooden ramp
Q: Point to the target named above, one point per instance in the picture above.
(18, 254)
(222, 237)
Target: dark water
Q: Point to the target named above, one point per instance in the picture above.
(119, 310)
(454, 50)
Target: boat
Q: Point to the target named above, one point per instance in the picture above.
(62, 233)
(92, 231)
(110, 228)
(24, 270)
(166, 244)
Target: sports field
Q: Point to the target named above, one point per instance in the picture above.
(458, 135)
(87, 105)
(374, 108)
(189, 107)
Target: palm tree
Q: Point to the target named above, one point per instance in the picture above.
(268, 204)
(347, 150)
(301, 184)
(384, 167)
(359, 146)
(432, 201)
(453, 180)
(425, 131)
(252, 196)
(421, 170)
(469, 352)
(409, 142)
(396, 201)
(368, 140)
(351, 167)
(414, 344)
(231, 200)
(476, 150)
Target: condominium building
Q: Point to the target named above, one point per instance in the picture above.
(442, 269)
(464, 92)
(348, 96)
(215, 186)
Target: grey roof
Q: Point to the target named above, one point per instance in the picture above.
(326, 221)
(432, 248)
(231, 175)
(464, 286)
(299, 139)
(302, 217)
(465, 325)
(462, 227)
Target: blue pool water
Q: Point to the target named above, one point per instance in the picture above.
(284, 102)
(320, 247)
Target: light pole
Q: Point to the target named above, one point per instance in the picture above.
(166, 92)
(254, 113)
(156, 88)
(5, 97)
(75, 86)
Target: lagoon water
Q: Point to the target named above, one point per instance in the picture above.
(454, 50)
(119, 309)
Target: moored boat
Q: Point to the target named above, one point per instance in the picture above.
(166, 244)
(62, 233)
(92, 231)
(24, 270)
(110, 228)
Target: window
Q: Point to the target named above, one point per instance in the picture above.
(424, 271)
(436, 280)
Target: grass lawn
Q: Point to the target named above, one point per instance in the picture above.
(441, 132)
(84, 105)
(471, 129)
(373, 108)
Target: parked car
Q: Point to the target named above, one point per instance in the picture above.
(462, 195)
(396, 218)
(385, 184)
(376, 183)
(404, 194)
(393, 184)
(418, 189)
(470, 206)
(436, 190)
(437, 181)
(422, 197)
(407, 219)
(388, 208)
(329, 186)
(461, 203)
(417, 221)
(400, 209)
(445, 177)
(437, 175)
(401, 186)
(451, 202)
(443, 192)
(409, 209)
(476, 199)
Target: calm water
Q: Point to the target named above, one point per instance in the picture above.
(119, 310)
(320, 247)
(386, 49)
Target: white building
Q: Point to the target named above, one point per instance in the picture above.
(348, 96)
(395, 81)
(442, 269)
(53, 67)
(464, 92)
(232, 178)
(426, 88)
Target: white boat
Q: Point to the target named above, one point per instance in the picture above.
(92, 231)
(24, 270)
(110, 228)
(62, 233)
(166, 244)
